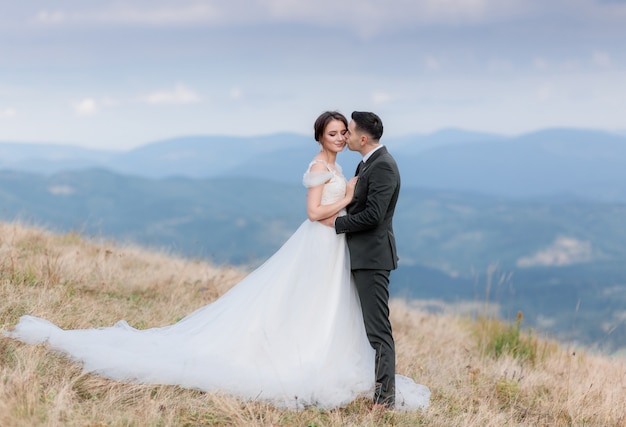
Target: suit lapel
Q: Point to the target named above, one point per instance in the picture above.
(362, 170)
(371, 160)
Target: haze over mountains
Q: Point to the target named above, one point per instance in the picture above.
(555, 162)
(536, 222)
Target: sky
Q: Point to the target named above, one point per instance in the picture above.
(119, 74)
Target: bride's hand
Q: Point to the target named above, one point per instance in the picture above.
(330, 221)
(350, 187)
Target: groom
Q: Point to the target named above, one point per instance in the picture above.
(369, 233)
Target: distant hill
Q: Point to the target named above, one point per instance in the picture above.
(555, 162)
(574, 163)
(192, 217)
(190, 156)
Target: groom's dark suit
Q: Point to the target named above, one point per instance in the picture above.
(369, 233)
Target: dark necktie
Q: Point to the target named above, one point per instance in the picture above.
(359, 167)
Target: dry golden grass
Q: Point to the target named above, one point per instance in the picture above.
(78, 283)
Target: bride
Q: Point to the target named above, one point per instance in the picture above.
(291, 333)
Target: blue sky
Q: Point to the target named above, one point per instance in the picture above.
(119, 74)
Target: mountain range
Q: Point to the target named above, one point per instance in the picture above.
(578, 163)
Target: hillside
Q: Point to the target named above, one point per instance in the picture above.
(480, 372)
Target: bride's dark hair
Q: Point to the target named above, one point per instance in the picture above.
(325, 118)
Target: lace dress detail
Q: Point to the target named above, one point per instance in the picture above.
(333, 180)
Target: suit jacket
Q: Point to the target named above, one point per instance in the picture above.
(368, 223)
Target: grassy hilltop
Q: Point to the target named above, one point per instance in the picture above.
(481, 372)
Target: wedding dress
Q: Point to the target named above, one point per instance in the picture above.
(290, 333)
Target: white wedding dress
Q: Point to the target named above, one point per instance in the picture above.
(291, 333)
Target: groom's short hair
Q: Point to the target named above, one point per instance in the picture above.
(368, 123)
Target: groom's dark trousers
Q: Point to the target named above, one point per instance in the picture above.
(369, 233)
(372, 286)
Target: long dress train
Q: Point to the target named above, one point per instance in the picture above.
(290, 333)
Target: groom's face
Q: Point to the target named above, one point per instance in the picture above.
(353, 140)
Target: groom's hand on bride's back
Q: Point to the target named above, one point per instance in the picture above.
(330, 221)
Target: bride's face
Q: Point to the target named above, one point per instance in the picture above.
(334, 137)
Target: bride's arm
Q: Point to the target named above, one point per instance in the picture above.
(316, 211)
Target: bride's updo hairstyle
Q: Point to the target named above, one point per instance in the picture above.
(323, 120)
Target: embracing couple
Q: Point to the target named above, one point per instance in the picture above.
(310, 326)
(369, 234)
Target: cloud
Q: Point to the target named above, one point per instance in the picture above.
(499, 65)
(432, 63)
(135, 15)
(8, 113)
(179, 95)
(376, 15)
(545, 92)
(236, 93)
(563, 251)
(380, 97)
(601, 59)
(540, 64)
(504, 66)
(46, 17)
(363, 19)
(107, 101)
(362, 16)
(86, 107)
(61, 190)
(613, 1)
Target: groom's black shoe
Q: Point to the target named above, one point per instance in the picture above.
(382, 398)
